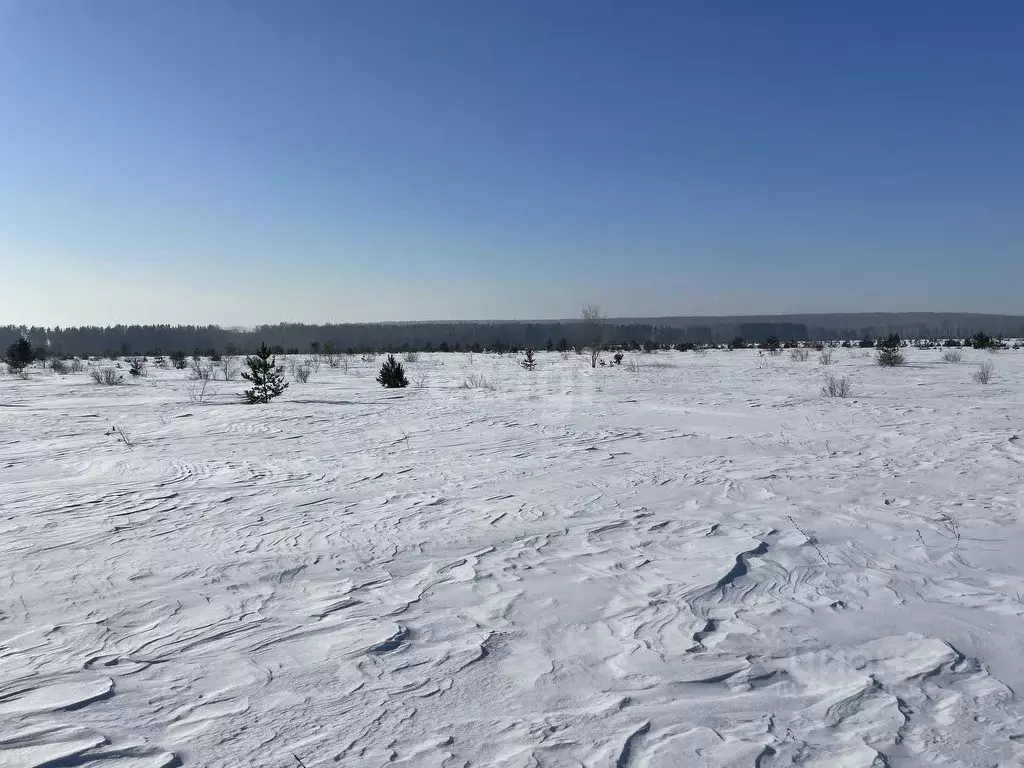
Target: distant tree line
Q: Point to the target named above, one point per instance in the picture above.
(282, 338)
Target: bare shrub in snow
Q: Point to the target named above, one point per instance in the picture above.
(59, 367)
(984, 373)
(633, 365)
(476, 381)
(301, 373)
(593, 331)
(952, 356)
(700, 351)
(106, 376)
(836, 386)
(799, 355)
(368, 357)
(331, 356)
(198, 391)
(200, 370)
(228, 368)
(75, 366)
(411, 357)
(825, 358)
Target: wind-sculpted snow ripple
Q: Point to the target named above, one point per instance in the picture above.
(700, 565)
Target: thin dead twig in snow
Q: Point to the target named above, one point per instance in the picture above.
(951, 528)
(122, 434)
(810, 540)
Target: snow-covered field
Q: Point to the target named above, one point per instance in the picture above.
(702, 563)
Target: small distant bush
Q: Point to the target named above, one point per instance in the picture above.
(770, 344)
(106, 376)
(197, 391)
(178, 360)
(888, 351)
(984, 373)
(411, 357)
(59, 367)
(137, 367)
(476, 381)
(228, 368)
(330, 355)
(199, 369)
(825, 357)
(617, 358)
(952, 356)
(392, 374)
(737, 343)
(866, 343)
(633, 365)
(799, 355)
(302, 373)
(684, 346)
(75, 366)
(836, 386)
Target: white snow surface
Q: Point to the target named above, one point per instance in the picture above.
(702, 563)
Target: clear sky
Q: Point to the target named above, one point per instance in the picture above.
(244, 161)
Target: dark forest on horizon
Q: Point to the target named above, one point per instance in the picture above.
(498, 335)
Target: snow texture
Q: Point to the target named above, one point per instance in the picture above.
(704, 562)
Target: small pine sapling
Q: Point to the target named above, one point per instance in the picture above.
(392, 374)
(266, 377)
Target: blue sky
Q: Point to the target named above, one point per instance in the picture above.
(253, 161)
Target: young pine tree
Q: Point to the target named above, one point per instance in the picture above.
(266, 377)
(889, 352)
(392, 374)
(530, 362)
(19, 355)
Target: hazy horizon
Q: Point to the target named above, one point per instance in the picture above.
(237, 164)
(677, 320)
